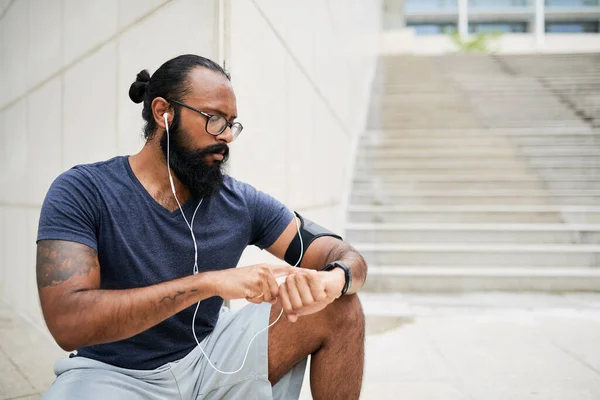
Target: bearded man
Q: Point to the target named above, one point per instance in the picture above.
(137, 253)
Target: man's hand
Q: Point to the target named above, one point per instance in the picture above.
(255, 283)
(306, 291)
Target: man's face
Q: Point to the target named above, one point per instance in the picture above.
(196, 157)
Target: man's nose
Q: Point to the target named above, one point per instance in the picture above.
(226, 136)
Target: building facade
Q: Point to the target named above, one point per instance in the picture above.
(531, 20)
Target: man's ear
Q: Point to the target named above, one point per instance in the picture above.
(159, 107)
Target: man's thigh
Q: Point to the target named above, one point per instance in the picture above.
(79, 378)
(227, 347)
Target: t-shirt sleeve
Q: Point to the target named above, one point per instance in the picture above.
(70, 210)
(269, 216)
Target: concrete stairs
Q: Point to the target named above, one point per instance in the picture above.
(475, 175)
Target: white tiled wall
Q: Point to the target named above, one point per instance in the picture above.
(131, 11)
(90, 126)
(15, 44)
(301, 72)
(44, 118)
(86, 25)
(16, 152)
(45, 41)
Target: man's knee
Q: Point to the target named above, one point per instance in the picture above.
(346, 313)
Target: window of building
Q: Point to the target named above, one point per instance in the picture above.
(572, 27)
(432, 29)
(572, 3)
(504, 27)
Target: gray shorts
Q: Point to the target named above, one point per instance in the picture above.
(191, 377)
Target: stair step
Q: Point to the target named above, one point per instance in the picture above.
(555, 172)
(490, 162)
(473, 214)
(466, 177)
(472, 233)
(389, 140)
(478, 193)
(441, 198)
(479, 152)
(479, 142)
(439, 175)
(411, 185)
(469, 255)
(511, 133)
(482, 278)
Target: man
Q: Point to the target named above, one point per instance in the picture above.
(136, 254)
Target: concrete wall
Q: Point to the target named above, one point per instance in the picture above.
(65, 74)
(302, 72)
(302, 76)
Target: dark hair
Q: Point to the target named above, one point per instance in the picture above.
(168, 82)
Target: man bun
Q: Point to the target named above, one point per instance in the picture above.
(137, 90)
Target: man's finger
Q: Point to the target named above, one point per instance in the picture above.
(273, 287)
(292, 289)
(304, 290)
(285, 300)
(256, 299)
(281, 270)
(317, 287)
(266, 289)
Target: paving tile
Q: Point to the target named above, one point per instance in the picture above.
(12, 381)
(403, 354)
(429, 390)
(502, 346)
(32, 353)
(36, 396)
(28, 348)
(575, 332)
(533, 389)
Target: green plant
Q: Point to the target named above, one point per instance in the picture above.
(376, 219)
(477, 43)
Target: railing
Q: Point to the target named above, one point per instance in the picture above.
(415, 6)
(498, 4)
(430, 5)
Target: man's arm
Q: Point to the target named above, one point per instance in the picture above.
(78, 313)
(307, 292)
(323, 251)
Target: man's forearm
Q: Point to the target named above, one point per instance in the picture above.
(97, 316)
(345, 253)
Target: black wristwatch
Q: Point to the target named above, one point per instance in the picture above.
(347, 274)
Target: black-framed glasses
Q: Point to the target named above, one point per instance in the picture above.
(215, 124)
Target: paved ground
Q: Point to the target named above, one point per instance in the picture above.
(483, 346)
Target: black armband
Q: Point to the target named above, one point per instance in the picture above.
(309, 231)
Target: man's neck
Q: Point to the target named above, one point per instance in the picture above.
(150, 167)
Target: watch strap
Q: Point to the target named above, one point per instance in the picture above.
(347, 274)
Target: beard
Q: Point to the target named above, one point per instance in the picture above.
(190, 166)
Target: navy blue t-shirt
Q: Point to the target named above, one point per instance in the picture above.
(141, 243)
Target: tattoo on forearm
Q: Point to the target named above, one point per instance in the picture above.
(57, 261)
(172, 298)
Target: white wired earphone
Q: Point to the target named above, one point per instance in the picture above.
(195, 269)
